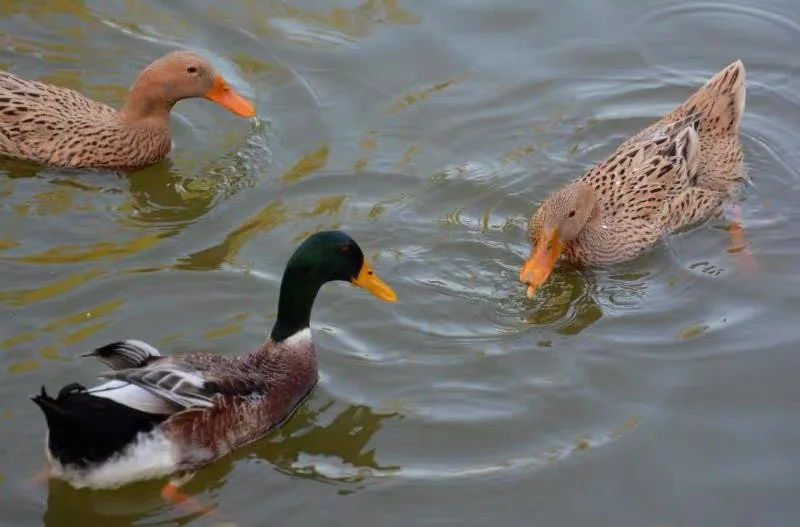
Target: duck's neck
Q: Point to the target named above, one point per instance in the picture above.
(593, 240)
(146, 104)
(294, 304)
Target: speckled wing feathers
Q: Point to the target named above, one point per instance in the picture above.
(676, 172)
(59, 126)
(634, 182)
(34, 116)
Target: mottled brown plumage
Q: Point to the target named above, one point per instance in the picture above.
(60, 127)
(674, 173)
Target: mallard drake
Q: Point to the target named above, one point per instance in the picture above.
(677, 172)
(157, 415)
(60, 127)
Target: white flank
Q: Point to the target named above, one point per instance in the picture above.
(150, 456)
(132, 396)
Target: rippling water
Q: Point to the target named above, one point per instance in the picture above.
(660, 392)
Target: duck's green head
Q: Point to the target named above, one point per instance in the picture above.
(333, 255)
(323, 257)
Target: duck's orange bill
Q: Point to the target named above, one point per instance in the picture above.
(368, 280)
(222, 94)
(542, 261)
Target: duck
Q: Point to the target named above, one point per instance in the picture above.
(168, 415)
(60, 127)
(676, 173)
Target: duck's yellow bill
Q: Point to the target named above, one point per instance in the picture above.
(368, 280)
(542, 261)
(222, 94)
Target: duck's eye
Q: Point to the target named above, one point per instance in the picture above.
(343, 249)
(571, 213)
(191, 69)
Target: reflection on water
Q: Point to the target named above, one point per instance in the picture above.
(305, 446)
(566, 303)
(213, 257)
(338, 453)
(430, 131)
(325, 27)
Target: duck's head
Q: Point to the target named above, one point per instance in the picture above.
(333, 255)
(323, 257)
(559, 220)
(182, 75)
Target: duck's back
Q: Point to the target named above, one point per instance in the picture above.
(59, 126)
(39, 96)
(634, 182)
(715, 111)
(696, 144)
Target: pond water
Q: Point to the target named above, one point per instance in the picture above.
(661, 392)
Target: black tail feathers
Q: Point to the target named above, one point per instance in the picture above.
(86, 429)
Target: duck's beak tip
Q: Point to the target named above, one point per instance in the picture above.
(540, 264)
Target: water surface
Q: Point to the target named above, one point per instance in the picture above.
(659, 392)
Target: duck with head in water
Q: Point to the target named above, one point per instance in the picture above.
(157, 415)
(677, 172)
(60, 127)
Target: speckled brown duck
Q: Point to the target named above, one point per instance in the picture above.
(677, 172)
(60, 127)
(157, 415)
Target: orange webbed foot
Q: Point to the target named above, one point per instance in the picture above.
(172, 492)
(747, 263)
(40, 477)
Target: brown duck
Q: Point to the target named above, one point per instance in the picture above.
(60, 127)
(677, 172)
